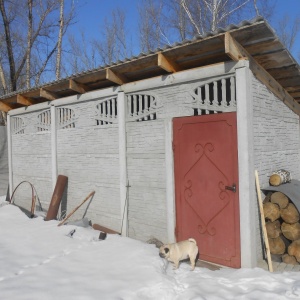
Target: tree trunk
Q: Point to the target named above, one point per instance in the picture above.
(29, 44)
(59, 41)
(2, 79)
(9, 48)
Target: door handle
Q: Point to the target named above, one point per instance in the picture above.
(231, 188)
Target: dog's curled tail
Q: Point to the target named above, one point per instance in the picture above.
(193, 241)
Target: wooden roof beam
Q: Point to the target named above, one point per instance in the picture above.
(236, 52)
(24, 100)
(48, 95)
(295, 94)
(78, 87)
(4, 107)
(166, 64)
(115, 77)
(232, 48)
(293, 88)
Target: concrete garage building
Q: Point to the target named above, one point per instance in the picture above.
(169, 140)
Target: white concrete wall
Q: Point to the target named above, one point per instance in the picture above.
(89, 154)
(247, 206)
(3, 161)
(147, 180)
(149, 150)
(31, 162)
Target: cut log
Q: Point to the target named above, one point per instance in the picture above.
(271, 211)
(289, 259)
(286, 241)
(294, 249)
(273, 229)
(275, 180)
(291, 231)
(290, 214)
(279, 177)
(268, 197)
(280, 199)
(277, 245)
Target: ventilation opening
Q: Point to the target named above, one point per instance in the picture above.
(66, 118)
(107, 112)
(214, 96)
(18, 125)
(44, 121)
(201, 112)
(142, 107)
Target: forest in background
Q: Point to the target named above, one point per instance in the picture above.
(37, 45)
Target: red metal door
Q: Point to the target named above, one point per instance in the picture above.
(206, 171)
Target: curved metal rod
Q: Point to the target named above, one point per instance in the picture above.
(32, 196)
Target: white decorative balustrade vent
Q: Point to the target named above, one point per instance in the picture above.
(66, 117)
(17, 125)
(142, 107)
(214, 97)
(44, 121)
(107, 112)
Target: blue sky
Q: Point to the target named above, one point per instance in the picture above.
(92, 13)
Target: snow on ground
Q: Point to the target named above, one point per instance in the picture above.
(38, 260)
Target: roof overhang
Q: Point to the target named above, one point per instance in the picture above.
(255, 41)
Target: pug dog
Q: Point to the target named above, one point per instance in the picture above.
(180, 251)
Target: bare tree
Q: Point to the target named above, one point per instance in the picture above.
(9, 46)
(113, 45)
(287, 30)
(83, 55)
(59, 42)
(32, 23)
(153, 28)
(29, 43)
(2, 79)
(165, 21)
(208, 15)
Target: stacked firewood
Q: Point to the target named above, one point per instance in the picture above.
(283, 227)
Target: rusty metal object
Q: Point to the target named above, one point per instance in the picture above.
(33, 197)
(104, 229)
(61, 183)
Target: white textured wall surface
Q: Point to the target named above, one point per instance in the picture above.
(276, 139)
(89, 157)
(3, 161)
(31, 154)
(146, 175)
